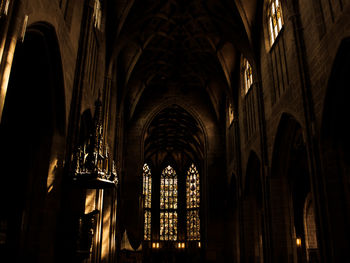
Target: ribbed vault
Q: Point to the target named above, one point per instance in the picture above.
(174, 132)
(173, 46)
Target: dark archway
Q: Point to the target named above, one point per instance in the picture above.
(233, 222)
(32, 145)
(335, 153)
(252, 212)
(289, 185)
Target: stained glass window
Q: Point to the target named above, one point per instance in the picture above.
(248, 76)
(147, 193)
(275, 20)
(193, 203)
(168, 204)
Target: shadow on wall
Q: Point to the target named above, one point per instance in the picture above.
(32, 127)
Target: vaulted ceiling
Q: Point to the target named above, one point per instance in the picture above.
(178, 46)
(174, 133)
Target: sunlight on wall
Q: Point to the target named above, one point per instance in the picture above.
(4, 6)
(90, 200)
(2, 46)
(106, 233)
(6, 75)
(51, 176)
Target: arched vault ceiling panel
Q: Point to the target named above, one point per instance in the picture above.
(174, 130)
(179, 43)
(227, 57)
(247, 10)
(117, 12)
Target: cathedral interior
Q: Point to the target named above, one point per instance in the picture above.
(174, 131)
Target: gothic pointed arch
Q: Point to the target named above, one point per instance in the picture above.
(34, 123)
(290, 180)
(335, 151)
(174, 143)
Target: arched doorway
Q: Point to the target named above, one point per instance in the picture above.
(335, 155)
(289, 188)
(32, 146)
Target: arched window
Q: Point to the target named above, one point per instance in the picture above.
(193, 203)
(230, 113)
(147, 194)
(4, 6)
(248, 75)
(97, 15)
(274, 19)
(168, 204)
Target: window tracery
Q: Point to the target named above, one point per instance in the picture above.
(168, 204)
(147, 193)
(248, 75)
(193, 203)
(168, 197)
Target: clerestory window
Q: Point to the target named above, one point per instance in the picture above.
(274, 19)
(97, 15)
(248, 75)
(4, 6)
(230, 114)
